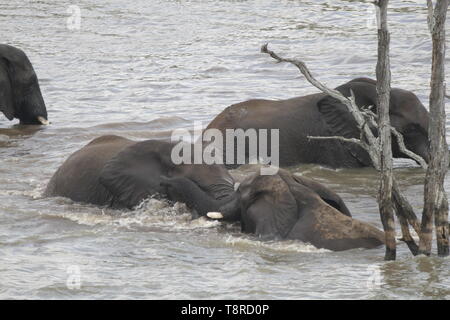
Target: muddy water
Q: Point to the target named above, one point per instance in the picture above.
(143, 68)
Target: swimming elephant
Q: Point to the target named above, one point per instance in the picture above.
(20, 95)
(321, 115)
(118, 172)
(288, 206)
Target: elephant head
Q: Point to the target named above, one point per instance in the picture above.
(290, 207)
(146, 168)
(202, 202)
(407, 114)
(20, 95)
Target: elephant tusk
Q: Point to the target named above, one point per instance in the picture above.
(214, 215)
(44, 121)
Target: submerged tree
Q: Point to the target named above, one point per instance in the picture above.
(383, 72)
(435, 198)
(390, 198)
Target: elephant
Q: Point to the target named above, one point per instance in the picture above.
(322, 115)
(287, 206)
(117, 172)
(20, 94)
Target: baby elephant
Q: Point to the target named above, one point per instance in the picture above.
(119, 172)
(292, 207)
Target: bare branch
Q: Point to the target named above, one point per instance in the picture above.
(368, 110)
(349, 140)
(367, 139)
(305, 71)
(349, 102)
(369, 116)
(403, 149)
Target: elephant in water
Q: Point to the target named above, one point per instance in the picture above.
(20, 95)
(321, 115)
(287, 206)
(119, 172)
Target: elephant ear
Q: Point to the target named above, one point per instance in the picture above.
(340, 121)
(6, 95)
(286, 215)
(327, 195)
(275, 210)
(307, 202)
(135, 173)
(271, 218)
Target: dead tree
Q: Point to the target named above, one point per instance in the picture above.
(435, 199)
(368, 142)
(385, 201)
(379, 148)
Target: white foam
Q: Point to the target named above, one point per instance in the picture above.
(276, 245)
(150, 213)
(34, 193)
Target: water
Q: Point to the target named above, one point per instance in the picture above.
(143, 68)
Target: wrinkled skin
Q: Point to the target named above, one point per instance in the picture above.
(321, 115)
(286, 206)
(20, 95)
(118, 172)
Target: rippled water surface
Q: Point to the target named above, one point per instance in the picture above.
(143, 68)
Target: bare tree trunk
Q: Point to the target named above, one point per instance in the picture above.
(404, 208)
(368, 142)
(391, 197)
(435, 202)
(384, 131)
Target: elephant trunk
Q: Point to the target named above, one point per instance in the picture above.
(30, 105)
(230, 209)
(185, 190)
(423, 151)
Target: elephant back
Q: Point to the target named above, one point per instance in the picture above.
(78, 177)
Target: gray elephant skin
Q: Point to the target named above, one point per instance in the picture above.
(287, 206)
(20, 94)
(321, 115)
(118, 172)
